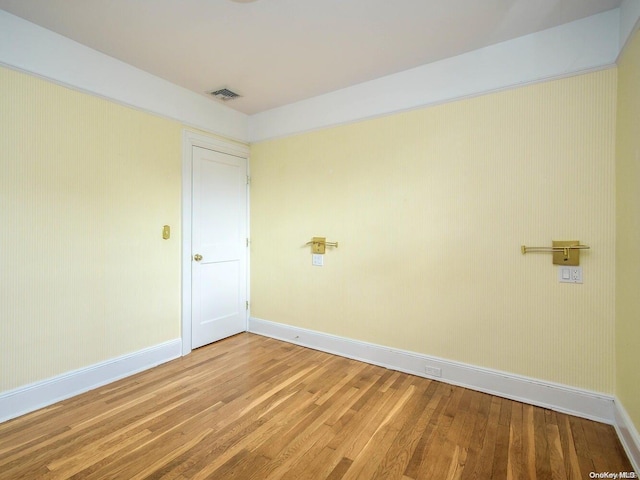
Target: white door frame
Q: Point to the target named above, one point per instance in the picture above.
(189, 140)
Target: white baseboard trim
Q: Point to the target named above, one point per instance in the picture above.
(629, 436)
(570, 400)
(29, 398)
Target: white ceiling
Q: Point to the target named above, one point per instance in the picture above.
(276, 52)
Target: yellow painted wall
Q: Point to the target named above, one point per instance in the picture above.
(85, 188)
(628, 231)
(430, 208)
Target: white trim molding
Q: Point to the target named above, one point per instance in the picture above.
(628, 434)
(27, 47)
(573, 401)
(29, 398)
(629, 21)
(577, 47)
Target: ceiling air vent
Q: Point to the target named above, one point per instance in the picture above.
(224, 94)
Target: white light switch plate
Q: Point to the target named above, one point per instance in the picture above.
(317, 260)
(570, 274)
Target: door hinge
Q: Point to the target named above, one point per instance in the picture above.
(248, 180)
(246, 304)
(247, 242)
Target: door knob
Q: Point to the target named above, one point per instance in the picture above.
(197, 257)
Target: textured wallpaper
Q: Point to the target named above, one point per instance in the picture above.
(628, 230)
(85, 188)
(430, 208)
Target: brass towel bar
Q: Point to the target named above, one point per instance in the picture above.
(565, 252)
(318, 244)
(328, 244)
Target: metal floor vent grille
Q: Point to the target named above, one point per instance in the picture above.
(224, 94)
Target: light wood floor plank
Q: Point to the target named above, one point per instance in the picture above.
(251, 407)
(514, 461)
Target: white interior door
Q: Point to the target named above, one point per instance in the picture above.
(219, 246)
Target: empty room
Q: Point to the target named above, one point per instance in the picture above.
(322, 239)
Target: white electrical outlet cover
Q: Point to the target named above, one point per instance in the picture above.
(570, 274)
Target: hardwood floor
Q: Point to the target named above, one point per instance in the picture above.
(250, 407)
